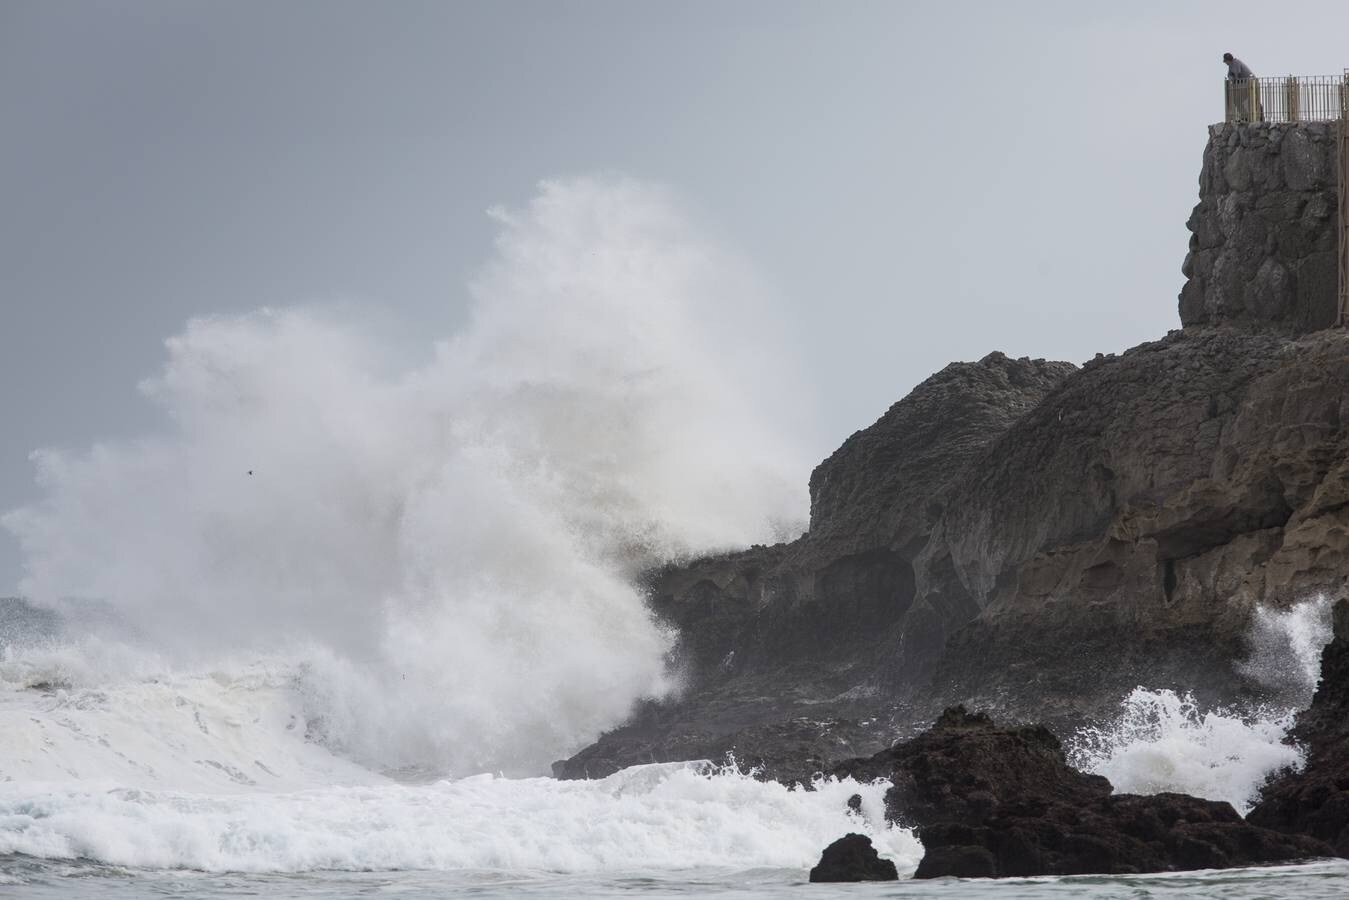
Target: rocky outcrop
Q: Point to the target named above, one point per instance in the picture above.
(1132, 521)
(740, 721)
(1315, 801)
(849, 582)
(852, 858)
(1127, 523)
(883, 487)
(988, 800)
(787, 646)
(1262, 250)
(1025, 536)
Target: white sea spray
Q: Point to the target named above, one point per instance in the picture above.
(1165, 741)
(444, 551)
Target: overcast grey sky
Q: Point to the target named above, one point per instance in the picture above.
(918, 182)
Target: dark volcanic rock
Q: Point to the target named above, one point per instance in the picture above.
(988, 800)
(1262, 250)
(1118, 835)
(795, 750)
(849, 582)
(1132, 521)
(1315, 801)
(965, 769)
(852, 858)
(882, 488)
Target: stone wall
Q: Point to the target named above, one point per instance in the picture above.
(1262, 252)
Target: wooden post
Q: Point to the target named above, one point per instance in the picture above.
(1291, 99)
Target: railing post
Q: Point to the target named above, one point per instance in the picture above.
(1291, 99)
(1344, 199)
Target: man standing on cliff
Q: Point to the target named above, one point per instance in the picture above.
(1240, 85)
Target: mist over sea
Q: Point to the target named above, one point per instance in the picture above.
(323, 632)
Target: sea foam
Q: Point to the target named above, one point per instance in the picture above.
(660, 817)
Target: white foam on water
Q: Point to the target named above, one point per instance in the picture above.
(647, 818)
(224, 730)
(1164, 742)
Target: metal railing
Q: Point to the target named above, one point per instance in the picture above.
(1317, 98)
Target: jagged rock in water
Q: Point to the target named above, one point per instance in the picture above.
(989, 800)
(1263, 243)
(1315, 801)
(852, 858)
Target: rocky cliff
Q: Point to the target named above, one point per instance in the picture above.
(1130, 523)
(1036, 538)
(991, 800)
(1262, 252)
(786, 648)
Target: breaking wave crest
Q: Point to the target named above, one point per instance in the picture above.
(443, 553)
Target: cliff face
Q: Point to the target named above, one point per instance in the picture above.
(1038, 539)
(786, 648)
(1264, 233)
(874, 504)
(1129, 524)
(879, 488)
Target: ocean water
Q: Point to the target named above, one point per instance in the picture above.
(1314, 881)
(332, 620)
(213, 783)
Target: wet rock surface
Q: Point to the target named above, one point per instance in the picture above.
(852, 858)
(752, 735)
(1315, 801)
(990, 800)
(1133, 520)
